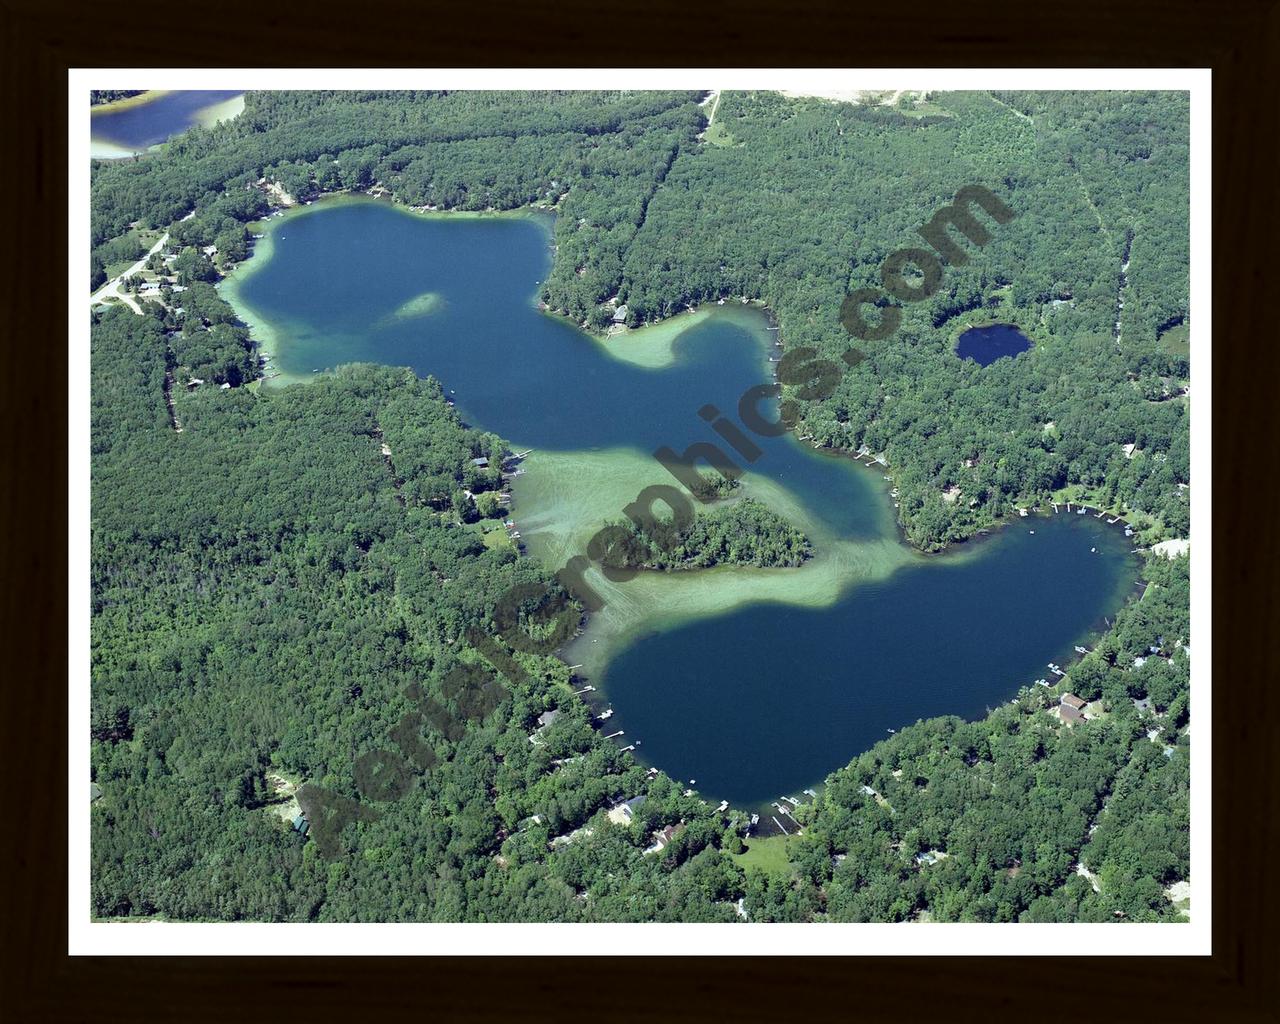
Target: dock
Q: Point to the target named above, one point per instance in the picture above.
(613, 735)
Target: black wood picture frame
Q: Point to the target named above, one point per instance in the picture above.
(1238, 39)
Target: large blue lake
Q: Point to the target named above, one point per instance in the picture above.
(753, 702)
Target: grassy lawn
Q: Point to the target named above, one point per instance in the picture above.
(924, 108)
(144, 238)
(718, 135)
(769, 855)
(1176, 341)
(498, 539)
(114, 270)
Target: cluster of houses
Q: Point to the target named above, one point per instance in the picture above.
(622, 814)
(151, 289)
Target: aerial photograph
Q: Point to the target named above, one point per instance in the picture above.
(584, 505)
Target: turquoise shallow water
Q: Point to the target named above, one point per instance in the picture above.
(136, 128)
(764, 699)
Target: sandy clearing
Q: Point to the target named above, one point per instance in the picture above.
(854, 95)
(1171, 548)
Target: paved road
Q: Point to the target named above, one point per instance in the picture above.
(112, 287)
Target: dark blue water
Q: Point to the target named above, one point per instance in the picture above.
(141, 126)
(765, 701)
(338, 275)
(987, 344)
(759, 702)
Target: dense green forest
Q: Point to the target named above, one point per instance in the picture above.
(269, 589)
(99, 96)
(801, 208)
(812, 197)
(1016, 800)
(744, 532)
(281, 581)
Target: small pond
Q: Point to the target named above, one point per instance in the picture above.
(987, 344)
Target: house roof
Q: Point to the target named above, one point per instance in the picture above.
(1069, 714)
(1071, 700)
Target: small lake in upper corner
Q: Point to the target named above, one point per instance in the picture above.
(136, 124)
(985, 345)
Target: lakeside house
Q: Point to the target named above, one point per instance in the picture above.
(662, 838)
(1072, 701)
(480, 463)
(620, 315)
(544, 720)
(624, 812)
(1069, 715)
(565, 840)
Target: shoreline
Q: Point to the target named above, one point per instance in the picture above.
(592, 667)
(129, 102)
(102, 147)
(658, 336)
(836, 568)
